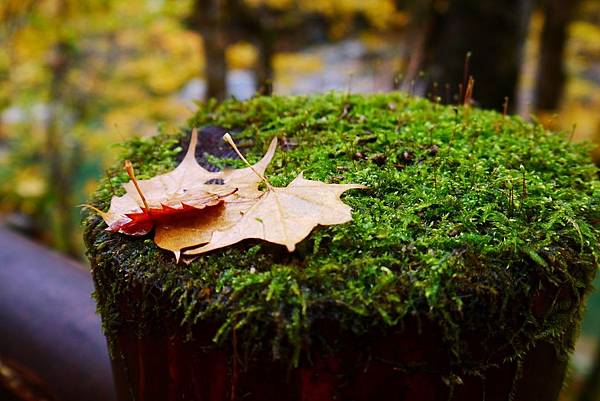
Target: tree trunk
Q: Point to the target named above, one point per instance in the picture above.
(259, 25)
(420, 34)
(551, 75)
(264, 67)
(59, 178)
(209, 20)
(494, 33)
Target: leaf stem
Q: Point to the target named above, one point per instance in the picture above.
(129, 168)
(95, 209)
(227, 138)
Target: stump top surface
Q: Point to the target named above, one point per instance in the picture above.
(472, 219)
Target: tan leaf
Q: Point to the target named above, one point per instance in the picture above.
(179, 234)
(147, 202)
(187, 211)
(182, 233)
(284, 215)
(246, 180)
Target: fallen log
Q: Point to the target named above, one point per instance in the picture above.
(48, 325)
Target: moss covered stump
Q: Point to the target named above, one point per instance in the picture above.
(462, 275)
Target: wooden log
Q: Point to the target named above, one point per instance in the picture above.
(48, 324)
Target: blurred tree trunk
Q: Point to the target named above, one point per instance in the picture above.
(551, 74)
(264, 68)
(208, 19)
(421, 33)
(494, 33)
(259, 24)
(59, 176)
(59, 181)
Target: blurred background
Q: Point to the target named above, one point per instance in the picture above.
(79, 76)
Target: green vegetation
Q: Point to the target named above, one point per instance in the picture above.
(476, 221)
(77, 76)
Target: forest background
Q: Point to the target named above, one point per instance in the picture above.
(78, 77)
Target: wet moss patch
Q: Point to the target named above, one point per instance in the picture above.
(473, 221)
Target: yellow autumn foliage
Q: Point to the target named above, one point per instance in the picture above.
(241, 55)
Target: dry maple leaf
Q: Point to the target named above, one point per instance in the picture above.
(242, 186)
(178, 204)
(285, 215)
(280, 215)
(187, 211)
(181, 192)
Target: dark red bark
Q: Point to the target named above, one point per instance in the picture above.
(407, 364)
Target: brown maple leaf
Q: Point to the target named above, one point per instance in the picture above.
(242, 188)
(177, 194)
(186, 210)
(280, 215)
(283, 215)
(178, 205)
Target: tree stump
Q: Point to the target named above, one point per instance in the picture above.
(461, 276)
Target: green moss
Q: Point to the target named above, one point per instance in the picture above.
(472, 220)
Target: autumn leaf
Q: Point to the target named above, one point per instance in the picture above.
(180, 193)
(178, 204)
(242, 186)
(284, 215)
(192, 215)
(280, 215)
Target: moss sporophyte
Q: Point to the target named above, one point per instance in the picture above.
(472, 221)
